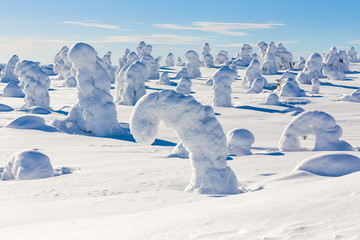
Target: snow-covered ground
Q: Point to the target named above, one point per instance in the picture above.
(108, 188)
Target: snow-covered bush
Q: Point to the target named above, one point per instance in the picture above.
(184, 86)
(352, 97)
(333, 74)
(223, 79)
(315, 86)
(164, 79)
(193, 64)
(272, 99)
(9, 74)
(28, 164)
(183, 73)
(134, 87)
(252, 72)
(12, 89)
(120, 77)
(284, 58)
(290, 88)
(313, 66)
(330, 165)
(180, 151)
(300, 64)
(94, 111)
(152, 66)
(221, 58)
(317, 123)
(337, 61)
(179, 62)
(208, 60)
(36, 84)
(269, 65)
(169, 60)
(352, 55)
(239, 142)
(257, 86)
(198, 130)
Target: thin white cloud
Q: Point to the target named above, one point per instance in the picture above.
(229, 29)
(167, 39)
(96, 25)
(354, 42)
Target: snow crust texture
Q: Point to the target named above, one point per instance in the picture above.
(198, 130)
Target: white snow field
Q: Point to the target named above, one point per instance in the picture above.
(115, 188)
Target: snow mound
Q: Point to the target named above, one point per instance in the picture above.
(12, 89)
(221, 58)
(313, 67)
(272, 99)
(5, 108)
(164, 79)
(193, 64)
(183, 73)
(223, 79)
(30, 122)
(330, 165)
(152, 66)
(9, 74)
(198, 130)
(300, 64)
(318, 123)
(208, 60)
(315, 86)
(184, 86)
(252, 72)
(290, 88)
(239, 142)
(180, 151)
(352, 97)
(27, 165)
(169, 60)
(257, 86)
(333, 74)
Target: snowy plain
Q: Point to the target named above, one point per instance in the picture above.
(118, 189)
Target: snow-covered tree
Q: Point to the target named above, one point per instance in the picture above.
(300, 64)
(140, 48)
(221, 58)
(318, 123)
(36, 84)
(290, 88)
(152, 66)
(252, 72)
(269, 64)
(208, 60)
(285, 58)
(169, 60)
(184, 86)
(313, 69)
(315, 86)
(239, 142)
(198, 130)
(245, 54)
(223, 79)
(183, 73)
(193, 64)
(179, 62)
(94, 111)
(352, 55)
(9, 74)
(257, 86)
(164, 79)
(134, 87)
(262, 51)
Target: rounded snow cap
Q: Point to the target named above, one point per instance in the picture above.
(82, 53)
(239, 142)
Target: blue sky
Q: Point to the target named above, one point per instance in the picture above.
(36, 30)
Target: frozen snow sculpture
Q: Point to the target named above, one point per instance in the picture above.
(183, 73)
(315, 86)
(169, 60)
(269, 65)
(285, 58)
(180, 151)
(252, 72)
(221, 58)
(352, 97)
(9, 74)
(151, 65)
(120, 77)
(330, 165)
(94, 112)
(245, 54)
(193, 64)
(239, 142)
(208, 60)
(290, 88)
(300, 64)
(352, 55)
(318, 123)
(198, 130)
(179, 62)
(36, 84)
(184, 86)
(12, 89)
(134, 87)
(28, 164)
(262, 51)
(164, 79)
(140, 48)
(313, 66)
(257, 86)
(272, 99)
(223, 79)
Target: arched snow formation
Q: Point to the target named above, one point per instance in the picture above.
(318, 123)
(198, 130)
